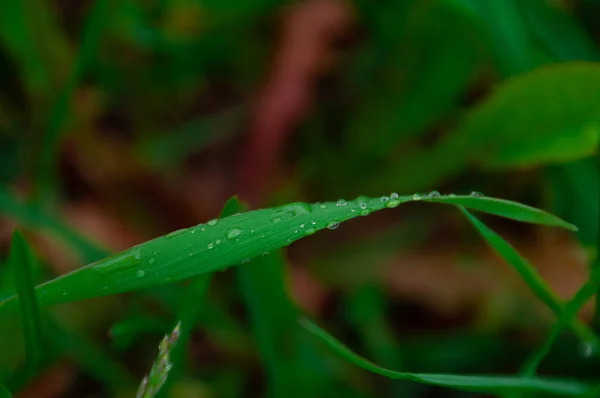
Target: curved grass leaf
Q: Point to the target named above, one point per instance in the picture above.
(572, 308)
(503, 208)
(530, 275)
(21, 259)
(219, 244)
(496, 385)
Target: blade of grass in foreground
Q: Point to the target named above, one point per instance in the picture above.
(219, 244)
(495, 385)
(21, 259)
(189, 310)
(572, 308)
(530, 275)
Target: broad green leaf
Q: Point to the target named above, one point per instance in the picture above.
(22, 259)
(495, 385)
(529, 274)
(572, 308)
(550, 115)
(219, 244)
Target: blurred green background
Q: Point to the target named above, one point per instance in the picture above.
(121, 120)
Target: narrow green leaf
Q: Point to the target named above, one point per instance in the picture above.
(529, 274)
(34, 217)
(272, 314)
(189, 310)
(88, 49)
(495, 385)
(21, 258)
(503, 208)
(4, 393)
(572, 308)
(219, 244)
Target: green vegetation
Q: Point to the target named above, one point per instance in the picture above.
(126, 125)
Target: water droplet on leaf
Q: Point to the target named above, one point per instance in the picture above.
(417, 196)
(434, 194)
(213, 222)
(234, 233)
(333, 224)
(476, 194)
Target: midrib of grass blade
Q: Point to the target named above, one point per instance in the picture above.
(495, 385)
(530, 276)
(45, 177)
(219, 244)
(572, 308)
(21, 259)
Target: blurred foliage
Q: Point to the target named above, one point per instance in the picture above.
(121, 120)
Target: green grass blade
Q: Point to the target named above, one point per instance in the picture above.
(36, 218)
(88, 49)
(189, 310)
(4, 393)
(503, 208)
(572, 308)
(21, 258)
(157, 377)
(272, 316)
(219, 244)
(529, 274)
(495, 385)
(89, 357)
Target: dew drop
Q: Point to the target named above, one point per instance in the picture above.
(586, 349)
(341, 203)
(151, 261)
(213, 222)
(323, 206)
(140, 273)
(309, 231)
(295, 231)
(314, 223)
(434, 194)
(384, 199)
(452, 195)
(394, 196)
(265, 254)
(218, 242)
(245, 261)
(193, 231)
(363, 205)
(203, 229)
(476, 194)
(233, 233)
(302, 225)
(333, 224)
(251, 231)
(417, 196)
(210, 245)
(275, 220)
(392, 203)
